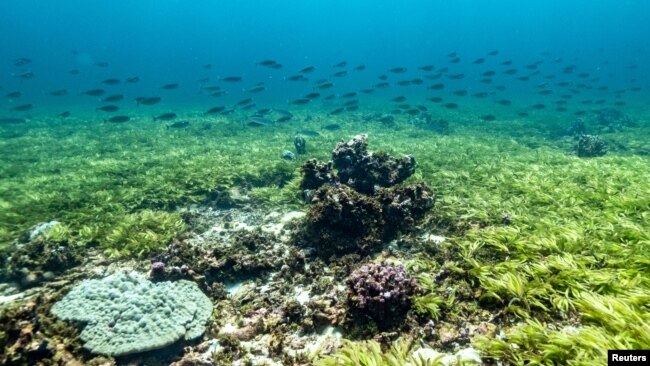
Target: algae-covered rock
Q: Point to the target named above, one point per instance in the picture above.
(125, 314)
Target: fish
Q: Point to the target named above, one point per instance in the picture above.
(214, 110)
(507, 63)
(94, 92)
(413, 112)
(22, 61)
(336, 111)
(352, 108)
(23, 108)
(504, 102)
(311, 96)
(417, 81)
(450, 105)
(399, 99)
(488, 117)
(324, 86)
(267, 63)
(179, 124)
(538, 106)
(398, 70)
(300, 101)
(426, 68)
(64, 114)
(436, 87)
(456, 76)
(249, 106)
(207, 66)
(493, 53)
(480, 94)
(219, 93)
(148, 100)
(455, 60)
(435, 99)
(298, 77)
(169, 86)
(351, 103)
(332, 127)
(276, 66)
(460, 93)
(111, 81)
(256, 89)
(119, 119)
(330, 97)
(283, 119)
(113, 98)
(381, 85)
(165, 117)
(58, 93)
(341, 64)
(245, 101)
(404, 82)
(256, 121)
(14, 95)
(308, 69)
(108, 108)
(478, 61)
(133, 79)
(263, 111)
(340, 73)
(489, 73)
(383, 77)
(360, 68)
(283, 112)
(310, 133)
(486, 81)
(74, 72)
(102, 64)
(12, 121)
(231, 79)
(24, 75)
(510, 71)
(349, 95)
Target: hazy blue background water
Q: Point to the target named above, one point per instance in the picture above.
(164, 41)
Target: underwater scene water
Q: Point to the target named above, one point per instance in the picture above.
(324, 182)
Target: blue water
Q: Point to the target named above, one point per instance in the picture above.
(164, 41)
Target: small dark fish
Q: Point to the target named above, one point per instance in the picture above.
(330, 97)
(452, 54)
(506, 63)
(426, 68)
(523, 114)
(119, 119)
(111, 81)
(297, 78)
(324, 86)
(308, 69)
(64, 114)
(383, 77)
(488, 117)
(25, 75)
(510, 71)
(108, 108)
(94, 92)
(133, 79)
(349, 95)
(214, 110)
(524, 78)
(493, 53)
(249, 106)
(422, 108)
(351, 102)
(113, 98)
(450, 105)
(404, 82)
(207, 66)
(480, 94)
(398, 70)
(59, 93)
(332, 127)
(413, 112)
(267, 63)
(14, 95)
(282, 112)
(245, 101)
(219, 93)
(283, 119)
(538, 106)
(23, 108)
(340, 73)
(148, 100)
(456, 76)
(101, 64)
(12, 121)
(478, 61)
(263, 111)
(301, 101)
(171, 86)
(311, 96)
(381, 85)
(165, 117)
(336, 111)
(341, 64)
(179, 124)
(455, 60)
(22, 61)
(399, 99)
(256, 121)
(435, 99)
(488, 73)
(545, 92)
(310, 133)
(504, 102)
(360, 68)
(231, 79)
(404, 106)
(437, 87)
(486, 81)
(256, 89)
(460, 93)
(74, 72)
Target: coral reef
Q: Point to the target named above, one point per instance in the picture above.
(590, 146)
(316, 174)
(125, 314)
(612, 120)
(382, 292)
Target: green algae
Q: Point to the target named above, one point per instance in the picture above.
(554, 246)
